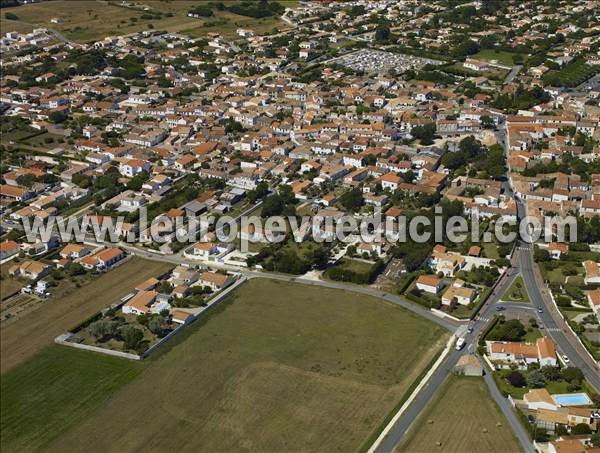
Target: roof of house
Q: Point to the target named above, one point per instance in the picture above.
(109, 253)
(430, 280)
(142, 300)
(457, 291)
(214, 277)
(539, 396)
(147, 284)
(8, 246)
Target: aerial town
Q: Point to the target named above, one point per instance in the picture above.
(300, 226)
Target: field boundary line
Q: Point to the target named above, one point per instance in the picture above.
(413, 395)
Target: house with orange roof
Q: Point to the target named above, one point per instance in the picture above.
(507, 353)
(8, 249)
(145, 302)
(592, 272)
(429, 283)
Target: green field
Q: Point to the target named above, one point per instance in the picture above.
(278, 367)
(502, 57)
(88, 20)
(52, 391)
(461, 418)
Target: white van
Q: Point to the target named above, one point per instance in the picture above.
(460, 343)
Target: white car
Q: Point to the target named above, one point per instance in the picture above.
(565, 359)
(460, 343)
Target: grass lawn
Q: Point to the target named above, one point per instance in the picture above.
(278, 367)
(24, 337)
(358, 266)
(516, 292)
(53, 390)
(502, 57)
(457, 417)
(89, 20)
(490, 250)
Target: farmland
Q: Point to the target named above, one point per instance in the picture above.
(88, 20)
(53, 390)
(25, 336)
(277, 366)
(462, 417)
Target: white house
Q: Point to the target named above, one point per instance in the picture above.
(429, 283)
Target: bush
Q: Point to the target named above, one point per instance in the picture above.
(516, 379)
(11, 16)
(572, 374)
(581, 428)
(535, 379)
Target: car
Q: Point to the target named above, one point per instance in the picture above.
(460, 343)
(470, 330)
(500, 308)
(540, 310)
(565, 358)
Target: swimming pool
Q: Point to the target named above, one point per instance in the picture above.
(572, 399)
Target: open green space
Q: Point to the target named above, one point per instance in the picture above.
(462, 417)
(501, 56)
(517, 292)
(54, 390)
(277, 367)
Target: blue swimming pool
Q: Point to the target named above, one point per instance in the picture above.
(572, 399)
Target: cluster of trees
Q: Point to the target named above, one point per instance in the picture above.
(425, 134)
(281, 258)
(282, 203)
(202, 11)
(471, 152)
(522, 99)
(540, 377)
(257, 10)
(511, 330)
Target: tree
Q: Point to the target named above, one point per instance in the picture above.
(155, 325)
(58, 116)
(103, 328)
(550, 373)
(595, 439)
(76, 269)
(132, 336)
(352, 200)
(425, 133)
(487, 122)
(581, 428)
(535, 379)
(540, 255)
(572, 374)
(516, 379)
(138, 181)
(272, 205)
(11, 16)
(512, 330)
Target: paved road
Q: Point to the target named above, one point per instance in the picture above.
(422, 400)
(555, 326)
(513, 73)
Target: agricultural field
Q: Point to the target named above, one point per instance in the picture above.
(278, 366)
(89, 20)
(24, 337)
(53, 390)
(462, 417)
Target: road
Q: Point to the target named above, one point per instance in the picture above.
(555, 325)
(393, 438)
(513, 73)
